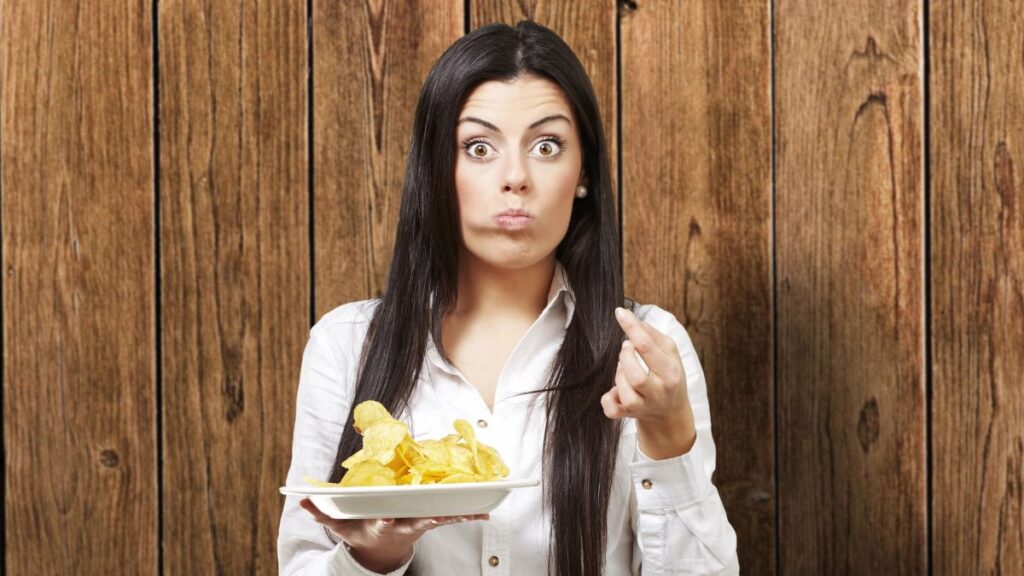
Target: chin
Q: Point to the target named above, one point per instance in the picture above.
(511, 258)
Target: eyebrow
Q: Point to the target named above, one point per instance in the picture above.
(490, 126)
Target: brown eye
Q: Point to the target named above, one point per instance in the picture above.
(549, 148)
(477, 150)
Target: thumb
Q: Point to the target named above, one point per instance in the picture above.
(382, 526)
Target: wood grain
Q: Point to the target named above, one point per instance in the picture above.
(589, 29)
(696, 154)
(851, 388)
(370, 63)
(79, 309)
(977, 286)
(97, 246)
(235, 275)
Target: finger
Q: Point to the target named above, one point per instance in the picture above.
(630, 367)
(415, 525)
(664, 341)
(336, 525)
(610, 403)
(308, 506)
(610, 400)
(628, 397)
(464, 518)
(418, 525)
(656, 348)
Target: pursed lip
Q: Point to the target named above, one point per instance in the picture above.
(513, 219)
(511, 213)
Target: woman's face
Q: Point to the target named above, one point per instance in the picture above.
(517, 148)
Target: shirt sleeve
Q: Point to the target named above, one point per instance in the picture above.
(680, 522)
(322, 403)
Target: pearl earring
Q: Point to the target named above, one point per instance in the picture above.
(581, 191)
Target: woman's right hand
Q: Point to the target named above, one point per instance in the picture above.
(382, 544)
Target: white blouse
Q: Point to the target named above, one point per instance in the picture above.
(664, 517)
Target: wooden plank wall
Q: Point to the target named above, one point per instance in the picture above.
(235, 274)
(850, 288)
(828, 197)
(80, 360)
(696, 211)
(977, 286)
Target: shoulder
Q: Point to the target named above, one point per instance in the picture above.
(343, 328)
(355, 312)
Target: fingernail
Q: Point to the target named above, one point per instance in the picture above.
(620, 312)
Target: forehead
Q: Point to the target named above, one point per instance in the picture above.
(516, 103)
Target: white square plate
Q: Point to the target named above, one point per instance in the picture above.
(409, 501)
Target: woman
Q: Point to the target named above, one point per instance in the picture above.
(501, 308)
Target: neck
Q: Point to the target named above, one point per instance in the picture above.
(486, 290)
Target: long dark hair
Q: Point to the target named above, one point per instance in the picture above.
(580, 442)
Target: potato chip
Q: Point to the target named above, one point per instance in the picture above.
(380, 441)
(458, 477)
(390, 456)
(369, 413)
(369, 473)
(489, 463)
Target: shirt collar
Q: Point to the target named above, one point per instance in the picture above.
(559, 284)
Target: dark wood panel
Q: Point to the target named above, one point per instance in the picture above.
(696, 139)
(977, 286)
(235, 274)
(850, 289)
(79, 309)
(370, 63)
(589, 29)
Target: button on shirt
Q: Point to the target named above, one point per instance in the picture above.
(664, 516)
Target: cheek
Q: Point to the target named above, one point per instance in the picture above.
(560, 195)
(470, 202)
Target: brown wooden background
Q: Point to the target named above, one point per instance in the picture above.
(829, 195)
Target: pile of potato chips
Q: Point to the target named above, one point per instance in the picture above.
(391, 457)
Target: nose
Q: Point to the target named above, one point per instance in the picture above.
(516, 176)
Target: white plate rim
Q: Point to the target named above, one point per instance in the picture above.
(407, 488)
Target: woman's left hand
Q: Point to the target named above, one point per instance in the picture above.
(656, 397)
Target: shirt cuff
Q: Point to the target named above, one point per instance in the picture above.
(346, 564)
(669, 483)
